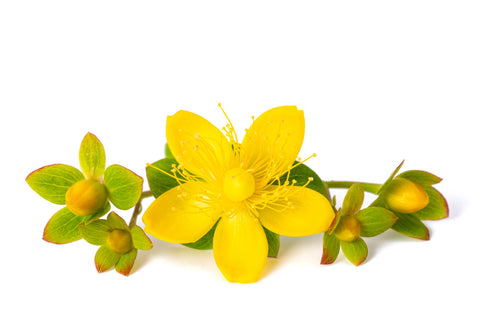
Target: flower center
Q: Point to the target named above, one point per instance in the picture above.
(238, 184)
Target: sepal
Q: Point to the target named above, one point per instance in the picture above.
(140, 239)
(353, 200)
(423, 178)
(356, 251)
(92, 157)
(124, 187)
(410, 225)
(52, 182)
(375, 220)
(437, 207)
(331, 248)
(63, 226)
(125, 264)
(96, 232)
(105, 259)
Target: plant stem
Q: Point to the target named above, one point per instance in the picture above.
(369, 187)
(138, 208)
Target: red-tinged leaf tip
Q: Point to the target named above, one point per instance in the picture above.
(335, 222)
(126, 262)
(326, 259)
(105, 259)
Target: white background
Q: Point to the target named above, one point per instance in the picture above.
(379, 81)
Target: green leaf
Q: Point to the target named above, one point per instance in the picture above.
(411, 226)
(63, 227)
(95, 233)
(105, 259)
(331, 248)
(423, 178)
(116, 222)
(394, 173)
(355, 251)
(301, 174)
(92, 157)
(273, 240)
(205, 242)
(353, 199)
(124, 187)
(437, 207)
(52, 182)
(375, 220)
(125, 263)
(168, 152)
(158, 180)
(140, 239)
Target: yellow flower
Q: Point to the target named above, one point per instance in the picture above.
(240, 185)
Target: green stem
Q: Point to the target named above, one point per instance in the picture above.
(138, 207)
(369, 187)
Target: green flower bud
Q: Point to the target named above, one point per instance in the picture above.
(405, 196)
(120, 241)
(348, 229)
(86, 197)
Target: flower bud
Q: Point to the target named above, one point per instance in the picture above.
(348, 229)
(119, 241)
(405, 196)
(86, 197)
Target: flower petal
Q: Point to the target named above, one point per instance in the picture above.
(273, 142)
(198, 145)
(304, 213)
(182, 214)
(240, 247)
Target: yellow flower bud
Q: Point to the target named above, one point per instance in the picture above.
(348, 229)
(405, 196)
(120, 241)
(86, 197)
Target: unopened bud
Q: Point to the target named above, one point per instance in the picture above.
(86, 197)
(120, 241)
(405, 196)
(348, 229)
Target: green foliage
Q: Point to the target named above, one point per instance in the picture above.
(301, 173)
(273, 240)
(52, 182)
(205, 242)
(158, 179)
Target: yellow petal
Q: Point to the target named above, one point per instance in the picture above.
(198, 145)
(273, 142)
(304, 213)
(181, 215)
(240, 247)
